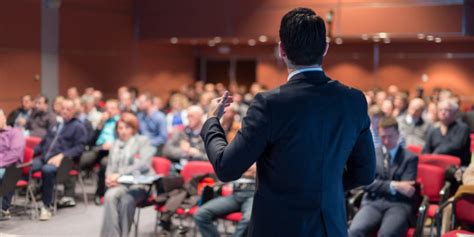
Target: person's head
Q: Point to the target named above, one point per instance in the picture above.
(303, 38)
(3, 119)
(145, 102)
(209, 87)
(392, 90)
(89, 91)
(41, 103)
(416, 108)
(88, 103)
(68, 109)
(387, 108)
(121, 90)
(447, 110)
(72, 93)
(127, 126)
(57, 103)
(27, 102)
(112, 107)
(158, 102)
(178, 102)
(400, 101)
(133, 92)
(206, 99)
(126, 100)
(380, 97)
(388, 132)
(97, 97)
(195, 115)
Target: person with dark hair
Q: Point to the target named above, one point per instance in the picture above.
(386, 205)
(41, 118)
(451, 137)
(130, 154)
(20, 116)
(66, 140)
(308, 151)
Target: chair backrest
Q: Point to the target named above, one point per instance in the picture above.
(62, 174)
(27, 157)
(161, 165)
(472, 142)
(431, 179)
(11, 176)
(194, 168)
(32, 142)
(442, 161)
(415, 149)
(464, 209)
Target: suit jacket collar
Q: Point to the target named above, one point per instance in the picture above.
(314, 77)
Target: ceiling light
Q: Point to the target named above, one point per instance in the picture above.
(174, 40)
(438, 40)
(421, 36)
(387, 40)
(424, 77)
(252, 42)
(430, 38)
(211, 43)
(365, 37)
(376, 38)
(263, 38)
(383, 35)
(339, 41)
(217, 39)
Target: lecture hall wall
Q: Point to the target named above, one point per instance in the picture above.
(100, 47)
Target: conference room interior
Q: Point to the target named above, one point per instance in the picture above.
(413, 60)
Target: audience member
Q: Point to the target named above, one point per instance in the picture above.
(130, 154)
(12, 145)
(400, 105)
(127, 104)
(57, 103)
(187, 144)
(387, 203)
(41, 119)
(90, 110)
(65, 140)
(152, 122)
(177, 117)
(413, 128)
(452, 136)
(241, 200)
(72, 93)
(19, 117)
(387, 108)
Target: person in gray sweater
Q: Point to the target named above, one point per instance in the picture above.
(131, 154)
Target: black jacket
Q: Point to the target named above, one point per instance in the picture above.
(311, 141)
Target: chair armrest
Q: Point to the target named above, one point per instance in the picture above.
(444, 192)
(422, 212)
(439, 215)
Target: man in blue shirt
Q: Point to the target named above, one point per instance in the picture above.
(152, 122)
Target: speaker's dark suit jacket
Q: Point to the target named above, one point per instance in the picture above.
(311, 141)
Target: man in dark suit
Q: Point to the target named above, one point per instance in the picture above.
(387, 201)
(310, 138)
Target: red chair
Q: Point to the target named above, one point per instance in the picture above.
(415, 149)
(194, 168)
(22, 183)
(442, 161)
(32, 142)
(472, 142)
(161, 166)
(433, 186)
(463, 212)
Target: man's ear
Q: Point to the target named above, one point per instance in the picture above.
(327, 48)
(281, 50)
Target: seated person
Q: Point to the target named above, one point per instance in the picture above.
(152, 122)
(387, 202)
(240, 200)
(101, 146)
(413, 129)
(131, 154)
(40, 119)
(66, 140)
(452, 136)
(187, 144)
(19, 116)
(12, 145)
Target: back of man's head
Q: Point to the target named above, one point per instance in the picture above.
(303, 37)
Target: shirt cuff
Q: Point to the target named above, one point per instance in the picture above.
(393, 191)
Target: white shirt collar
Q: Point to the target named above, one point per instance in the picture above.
(310, 69)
